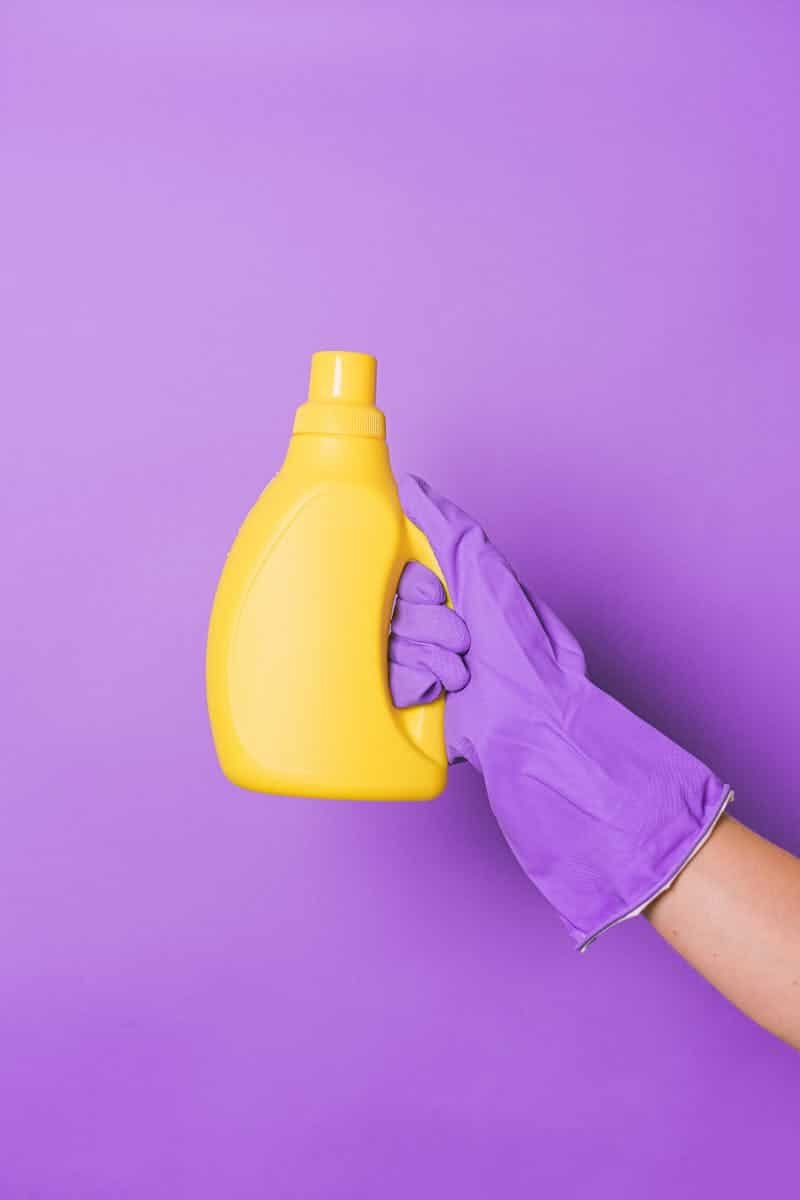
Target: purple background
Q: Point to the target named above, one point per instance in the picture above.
(569, 232)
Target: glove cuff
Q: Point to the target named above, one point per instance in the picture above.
(583, 942)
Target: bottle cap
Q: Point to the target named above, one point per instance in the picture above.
(341, 396)
(342, 377)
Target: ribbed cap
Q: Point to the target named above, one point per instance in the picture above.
(341, 396)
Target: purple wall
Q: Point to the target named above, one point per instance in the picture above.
(569, 232)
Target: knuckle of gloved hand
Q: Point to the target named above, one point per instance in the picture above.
(418, 583)
(459, 677)
(449, 668)
(458, 632)
(446, 628)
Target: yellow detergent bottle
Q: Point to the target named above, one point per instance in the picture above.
(297, 670)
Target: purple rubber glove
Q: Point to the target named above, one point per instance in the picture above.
(601, 810)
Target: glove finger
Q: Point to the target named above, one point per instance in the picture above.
(448, 667)
(419, 584)
(431, 623)
(410, 685)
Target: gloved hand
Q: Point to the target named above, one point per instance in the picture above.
(601, 810)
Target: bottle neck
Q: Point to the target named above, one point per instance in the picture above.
(337, 456)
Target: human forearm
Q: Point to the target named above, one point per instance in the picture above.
(734, 914)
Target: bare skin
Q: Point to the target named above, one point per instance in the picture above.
(734, 915)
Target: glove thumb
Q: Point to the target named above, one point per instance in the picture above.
(444, 524)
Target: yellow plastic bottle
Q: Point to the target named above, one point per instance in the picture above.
(297, 673)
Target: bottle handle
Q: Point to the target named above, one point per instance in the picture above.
(424, 723)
